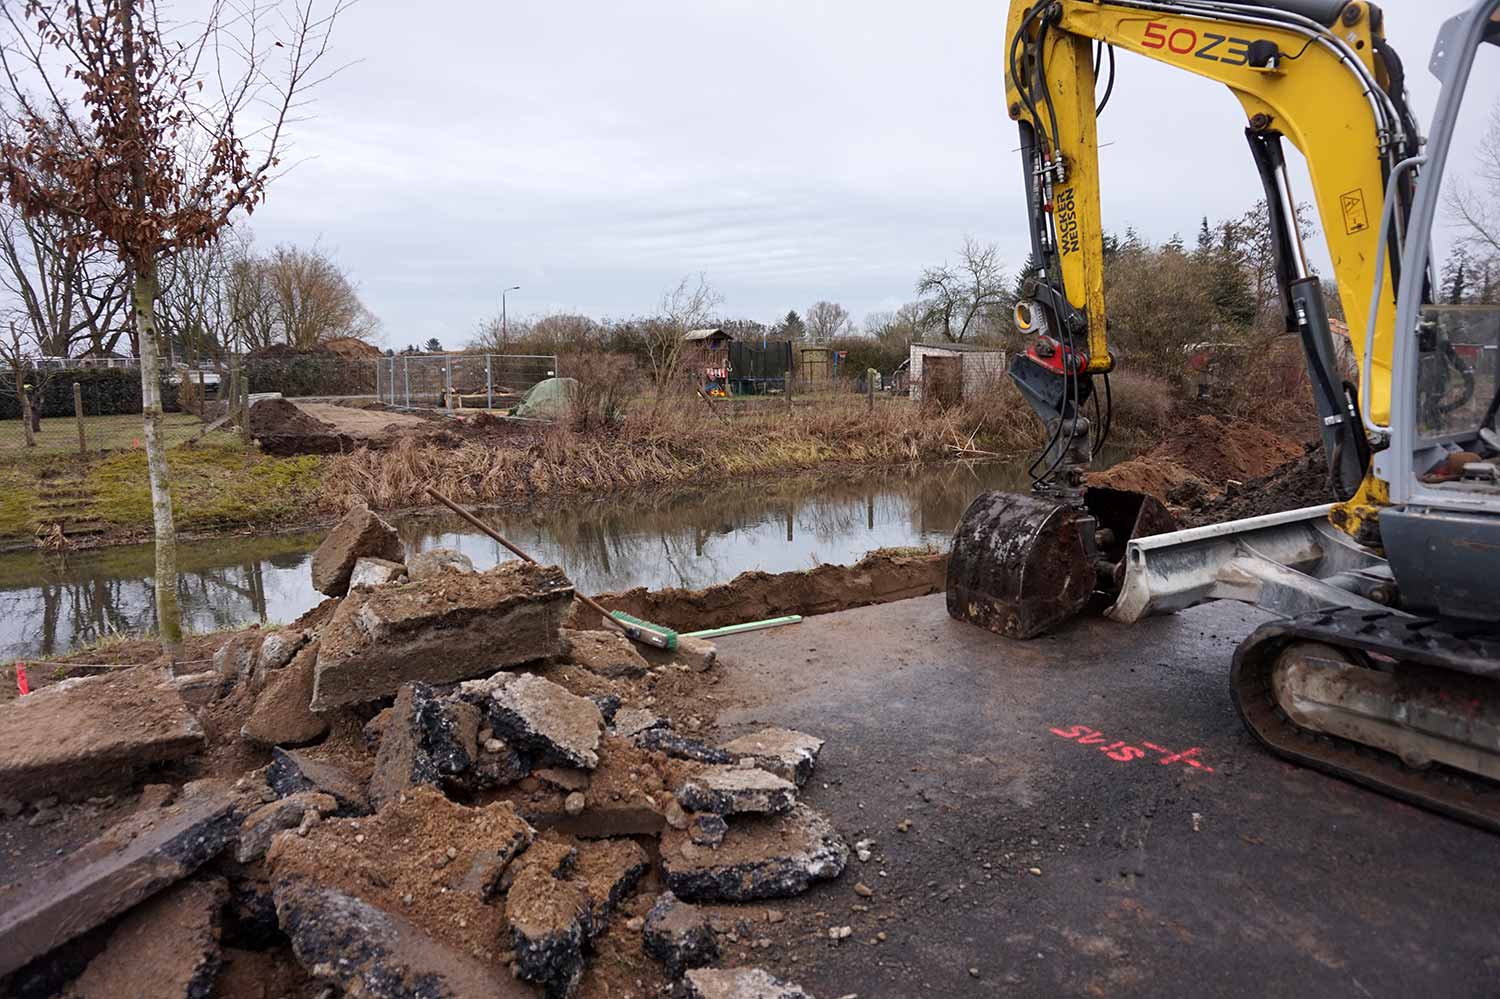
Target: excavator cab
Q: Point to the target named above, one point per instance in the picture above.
(1381, 659)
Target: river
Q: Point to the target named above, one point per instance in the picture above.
(51, 604)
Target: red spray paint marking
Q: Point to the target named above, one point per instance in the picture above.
(1122, 752)
(22, 684)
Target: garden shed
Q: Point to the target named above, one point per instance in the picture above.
(952, 372)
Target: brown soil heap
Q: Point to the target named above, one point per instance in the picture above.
(1304, 482)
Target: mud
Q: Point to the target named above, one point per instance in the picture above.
(1304, 482)
(880, 577)
(1203, 458)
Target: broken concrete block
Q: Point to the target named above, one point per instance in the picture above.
(738, 983)
(235, 659)
(436, 561)
(360, 534)
(426, 739)
(725, 790)
(280, 815)
(374, 730)
(130, 862)
(631, 722)
(369, 573)
(199, 690)
(442, 629)
(697, 654)
(292, 772)
(366, 951)
(786, 753)
(679, 935)
(707, 829)
(281, 716)
(762, 857)
(92, 732)
(277, 650)
(537, 716)
(166, 948)
(680, 747)
(607, 653)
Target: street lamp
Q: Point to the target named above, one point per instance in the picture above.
(504, 325)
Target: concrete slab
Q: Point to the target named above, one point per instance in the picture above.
(93, 732)
(130, 862)
(1088, 816)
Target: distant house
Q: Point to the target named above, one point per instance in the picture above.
(952, 372)
(706, 351)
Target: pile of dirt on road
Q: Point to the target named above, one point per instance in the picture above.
(1297, 484)
(882, 576)
(1201, 460)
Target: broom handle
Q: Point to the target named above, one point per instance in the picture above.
(588, 601)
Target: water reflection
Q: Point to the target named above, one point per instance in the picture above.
(692, 539)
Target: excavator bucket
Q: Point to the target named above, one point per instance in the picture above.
(1023, 564)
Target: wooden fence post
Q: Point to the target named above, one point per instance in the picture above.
(83, 447)
(870, 375)
(245, 406)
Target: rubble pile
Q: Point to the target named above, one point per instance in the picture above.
(444, 792)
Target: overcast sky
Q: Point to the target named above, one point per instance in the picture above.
(792, 150)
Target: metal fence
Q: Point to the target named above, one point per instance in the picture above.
(454, 381)
(79, 411)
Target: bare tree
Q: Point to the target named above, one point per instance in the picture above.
(146, 135)
(1473, 205)
(313, 299)
(70, 297)
(689, 306)
(826, 320)
(26, 379)
(957, 297)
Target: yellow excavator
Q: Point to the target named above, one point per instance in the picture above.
(1381, 663)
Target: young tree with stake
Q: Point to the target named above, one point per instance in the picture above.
(151, 136)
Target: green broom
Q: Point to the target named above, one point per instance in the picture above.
(631, 627)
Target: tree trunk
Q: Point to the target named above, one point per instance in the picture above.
(168, 616)
(27, 424)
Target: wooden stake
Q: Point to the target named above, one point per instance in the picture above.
(83, 447)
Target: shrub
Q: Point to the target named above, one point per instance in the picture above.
(106, 392)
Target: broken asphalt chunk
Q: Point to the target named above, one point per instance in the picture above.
(167, 948)
(366, 951)
(90, 733)
(784, 752)
(679, 935)
(680, 747)
(761, 857)
(446, 628)
(132, 861)
(426, 739)
(631, 722)
(607, 653)
(360, 534)
(292, 772)
(280, 815)
(537, 716)
(435, 562)
(725, 790)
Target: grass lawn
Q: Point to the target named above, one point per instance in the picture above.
(60, 434)
(217, 482)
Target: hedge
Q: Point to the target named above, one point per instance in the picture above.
(106, 392)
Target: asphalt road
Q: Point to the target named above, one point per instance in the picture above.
(1089, 818)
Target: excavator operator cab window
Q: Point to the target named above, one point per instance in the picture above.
(1456, 443)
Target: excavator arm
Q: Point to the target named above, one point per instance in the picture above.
(1316, 73)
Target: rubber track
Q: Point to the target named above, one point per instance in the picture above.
(1464, 647)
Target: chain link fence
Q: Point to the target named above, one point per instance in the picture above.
(51, 410)
(460, 381)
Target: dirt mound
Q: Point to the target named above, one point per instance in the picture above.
(1203, 458)
(1303, 482)
(1215, 451)
(1156, 476)
(880, 577)
(282, 428)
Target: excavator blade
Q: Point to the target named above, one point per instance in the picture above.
(1024, 564)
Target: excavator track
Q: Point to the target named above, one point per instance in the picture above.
(1387, 640)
